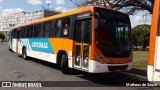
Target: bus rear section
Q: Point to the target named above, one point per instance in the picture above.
(153, 72)
(13, 41)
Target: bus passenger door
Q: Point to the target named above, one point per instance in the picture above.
(82, 43)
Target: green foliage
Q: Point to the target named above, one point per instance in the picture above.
(2, 36)
(48, 13)
(141, 34)
(140, 60)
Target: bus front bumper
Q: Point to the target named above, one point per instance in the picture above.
(96, 67)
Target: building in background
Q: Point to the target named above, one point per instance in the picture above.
(7, 23)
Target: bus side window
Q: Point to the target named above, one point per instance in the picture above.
(40, 30)
(27, 34)
(18, 33)
(57, 30)
(29, 31)
(36, 31)
(43, 30)
(14, 33)
(22, 32)
(51, 30)
(46, 28)
(20, 36)
(65, 27)
(87, 31)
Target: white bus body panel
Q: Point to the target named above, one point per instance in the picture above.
(14, 45)
(35, 54)
(156, 75)
(96, 67)
(19, 48)
(42, 56)
(150, 71)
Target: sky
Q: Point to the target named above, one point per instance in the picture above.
(14, 6)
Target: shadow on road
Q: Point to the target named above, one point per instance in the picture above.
(138, 72)
(113, 78)
(103, 79)
(51, 65)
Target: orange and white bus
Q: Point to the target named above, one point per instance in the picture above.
(90, 39)
(153, 71)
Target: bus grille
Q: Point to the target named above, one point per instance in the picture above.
(116, 68)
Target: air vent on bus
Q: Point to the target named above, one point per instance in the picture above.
(117, 68)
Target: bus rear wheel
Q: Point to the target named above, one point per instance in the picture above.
(64, 64)
(24, 54)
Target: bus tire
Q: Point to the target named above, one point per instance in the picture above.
(24, 54)
(64, 64)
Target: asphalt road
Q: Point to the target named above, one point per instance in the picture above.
(14, 68)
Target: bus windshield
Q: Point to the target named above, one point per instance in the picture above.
(113, 33)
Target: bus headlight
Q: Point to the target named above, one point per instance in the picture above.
(99, 58)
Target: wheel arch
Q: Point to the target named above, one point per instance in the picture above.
(59, 56)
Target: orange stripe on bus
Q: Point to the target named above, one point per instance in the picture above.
(153, 33)
(61, 44)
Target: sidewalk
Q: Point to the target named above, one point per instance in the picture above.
(139, 75)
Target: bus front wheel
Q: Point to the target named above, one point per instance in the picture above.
(64, 64)
(24, 54)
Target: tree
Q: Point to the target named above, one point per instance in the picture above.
(129, 7)
(49, 12)
(141, 34)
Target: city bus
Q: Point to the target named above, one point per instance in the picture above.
(153, 72)
(91, 39)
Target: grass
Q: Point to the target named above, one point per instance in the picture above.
(140, 60)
